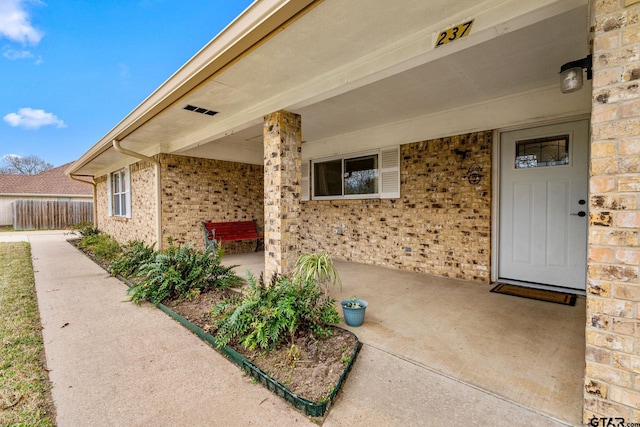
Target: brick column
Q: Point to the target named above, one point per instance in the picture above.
(612, 378)
(282, 178)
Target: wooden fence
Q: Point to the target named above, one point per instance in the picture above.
(50, 214)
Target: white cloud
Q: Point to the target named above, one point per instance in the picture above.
(13, 54)
(29, 118)
(15, 24)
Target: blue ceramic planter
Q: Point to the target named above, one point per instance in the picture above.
(353, 316)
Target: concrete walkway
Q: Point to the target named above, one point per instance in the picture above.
(113, 363)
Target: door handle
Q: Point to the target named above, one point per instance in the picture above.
(580, 214)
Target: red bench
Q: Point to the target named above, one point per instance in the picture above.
(215, 232)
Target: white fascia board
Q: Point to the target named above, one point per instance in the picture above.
(259, 20)
(126, 160)
(492, 19)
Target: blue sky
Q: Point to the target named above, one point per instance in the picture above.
(70, 70)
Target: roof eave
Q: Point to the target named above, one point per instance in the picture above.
(257, 22)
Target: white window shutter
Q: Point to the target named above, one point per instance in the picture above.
(109, 194)
(127, 185)
(305, 181)
(390, 173)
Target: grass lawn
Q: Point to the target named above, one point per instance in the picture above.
(24, 396)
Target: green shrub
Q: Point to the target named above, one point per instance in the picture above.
(179, 272)
(86, 229)
(271, 314)
(134, 254)
(101, 246)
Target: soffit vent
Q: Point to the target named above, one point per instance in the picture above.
(200, 110)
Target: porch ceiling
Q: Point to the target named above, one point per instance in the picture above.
(351, 65)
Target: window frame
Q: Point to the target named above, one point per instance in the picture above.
(531, 161)
(379, 194)
(120, 191)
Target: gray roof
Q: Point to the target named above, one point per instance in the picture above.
(51, 182)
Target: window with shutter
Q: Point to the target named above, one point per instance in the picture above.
(366, 175)
(390, 173)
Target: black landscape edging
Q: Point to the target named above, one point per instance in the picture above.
(312, 409)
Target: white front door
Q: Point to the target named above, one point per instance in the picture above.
(543, 205)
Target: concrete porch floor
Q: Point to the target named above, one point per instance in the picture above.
(525, 351)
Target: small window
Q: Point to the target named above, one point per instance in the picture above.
(327, 178)
(541, 152)
(362, 176)
(119, 194)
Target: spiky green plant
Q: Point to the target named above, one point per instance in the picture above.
(271, 314)
(178, 272)
(134, 254)
(317, 267)
(85, 229)
(101, 246)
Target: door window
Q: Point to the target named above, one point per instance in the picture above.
(541, 152)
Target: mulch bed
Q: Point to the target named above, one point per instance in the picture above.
(312, 373)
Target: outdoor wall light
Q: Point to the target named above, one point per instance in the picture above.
(571, 74)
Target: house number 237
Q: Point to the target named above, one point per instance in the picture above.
(455, 33)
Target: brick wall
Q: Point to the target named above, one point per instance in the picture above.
(141, 225)
(441, 225)
(196, 189)
(612, 380)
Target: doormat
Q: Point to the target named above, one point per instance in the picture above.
(539, 294)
